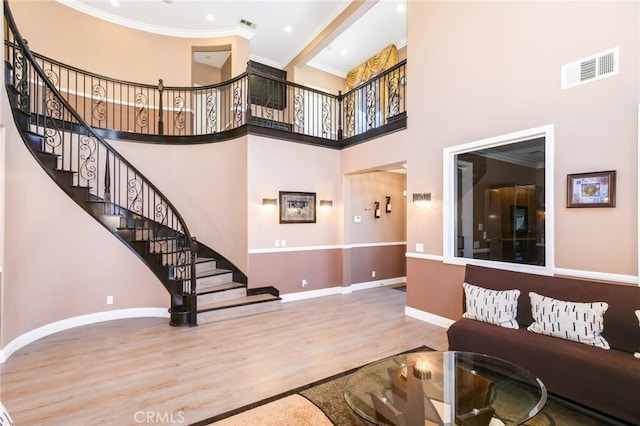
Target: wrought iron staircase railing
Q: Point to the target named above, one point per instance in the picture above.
(143, 109)
(96, 176)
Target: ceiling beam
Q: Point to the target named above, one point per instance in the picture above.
(344, 20)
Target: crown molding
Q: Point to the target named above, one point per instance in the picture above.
(155, 29)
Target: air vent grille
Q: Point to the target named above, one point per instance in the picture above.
(606, 63)
(592, 68)
(588, 70)
(247, 23)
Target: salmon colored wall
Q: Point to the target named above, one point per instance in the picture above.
(62, 263)
(386, 261)
(435, 287)
(492, 68)
(275, 165)
(210, 190)
(204, 75)
(365, 189)
(286, 270)
(306, 75)
(108, 49)
(402, 53)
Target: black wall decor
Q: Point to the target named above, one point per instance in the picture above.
(267, 92)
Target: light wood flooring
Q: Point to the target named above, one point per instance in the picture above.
(119, 372)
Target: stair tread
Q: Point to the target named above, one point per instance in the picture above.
(216, 288)
(64, 171)
(212, 272)
(51, 154)
(247, 300)
(205, 259)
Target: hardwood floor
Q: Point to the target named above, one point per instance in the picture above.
(138, 371)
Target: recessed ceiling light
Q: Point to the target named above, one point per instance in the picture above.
(114, 3)
(400, 8)
(344, 52)
(288, 28)
(210, 17)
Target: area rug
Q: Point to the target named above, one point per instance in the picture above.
(322, 403)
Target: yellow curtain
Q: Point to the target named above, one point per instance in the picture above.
(381, 61)
(355, 103)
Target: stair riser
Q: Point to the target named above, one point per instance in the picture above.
(221, 296)
(214, 279)
(177, 258)
(205, 266)
(144, 234)
(63, 178)
(163, 246)
(78, 193)
(238, 311)
(134, 223)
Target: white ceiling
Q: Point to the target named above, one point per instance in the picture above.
(383, 24)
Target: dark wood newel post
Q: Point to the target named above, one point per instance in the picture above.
(193, 297)
(247, 115)
(340, 97)
(160, 122)
(107, 184)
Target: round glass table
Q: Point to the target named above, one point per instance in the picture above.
(444, 388)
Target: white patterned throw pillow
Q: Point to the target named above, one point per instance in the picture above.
(492, 306)
(580, 322)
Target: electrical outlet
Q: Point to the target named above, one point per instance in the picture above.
(420, 247)
(109, 300)
(283, 243)
(277, 243)
(373, 274)
(304, 283)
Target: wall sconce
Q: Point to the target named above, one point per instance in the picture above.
(376, 210)
(269, 202)
(388, 206)
(325, 205)
(421, 198)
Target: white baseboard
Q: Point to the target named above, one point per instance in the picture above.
(66, 324)
(301, 295)
(378, 283)
(427, 317)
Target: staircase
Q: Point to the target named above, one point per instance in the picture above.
(204, 286)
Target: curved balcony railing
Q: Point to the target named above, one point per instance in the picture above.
(250, 98)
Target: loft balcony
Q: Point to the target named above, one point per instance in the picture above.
(253, 102)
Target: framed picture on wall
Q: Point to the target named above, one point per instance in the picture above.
(297, 207)
(596, 189)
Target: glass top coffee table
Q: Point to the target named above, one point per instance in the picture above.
(444, 388)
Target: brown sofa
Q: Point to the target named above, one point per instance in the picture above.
(604, 380)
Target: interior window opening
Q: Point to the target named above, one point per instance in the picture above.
(500, 203)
